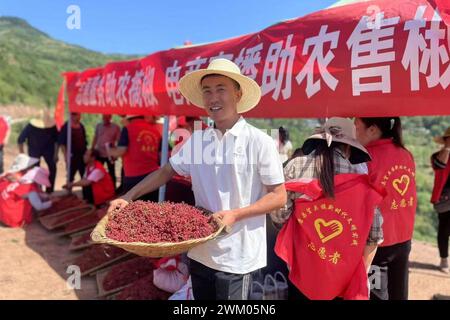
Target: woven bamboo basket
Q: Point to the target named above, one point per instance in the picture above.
(154, 250)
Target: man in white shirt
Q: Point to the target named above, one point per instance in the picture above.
(235, 172)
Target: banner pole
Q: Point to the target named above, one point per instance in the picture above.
(69, 146)
(164, 155)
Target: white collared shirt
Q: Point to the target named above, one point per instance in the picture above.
(231, 173)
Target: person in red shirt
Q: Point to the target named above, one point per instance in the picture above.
(4, 134)
(179, 188)
(441, 194)
(139, 146)
(97, 181)
(392, 169)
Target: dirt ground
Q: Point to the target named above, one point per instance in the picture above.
(33, 263)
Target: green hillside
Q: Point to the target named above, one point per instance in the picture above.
(31, 63)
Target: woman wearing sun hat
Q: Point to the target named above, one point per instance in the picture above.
(331, 171)
(20, 191)
(393, 170)
(441, 195)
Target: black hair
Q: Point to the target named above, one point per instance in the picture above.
(324, 166)
(236, 84)
(323, 162)
(390, 127)
(283, 135)
(95, 153)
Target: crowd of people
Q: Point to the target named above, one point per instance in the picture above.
(342, 205)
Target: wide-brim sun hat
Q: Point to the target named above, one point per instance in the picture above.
(38, 175)
(22, 162)
(190, 84)
(45, 121)
(441, 139)
(340, 130)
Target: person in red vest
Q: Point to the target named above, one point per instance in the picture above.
(20, 191)
(329, 236)
(139, 146)
(179, 188)
(441, 196)
(392, 169)
(97, 181)
(4, 134)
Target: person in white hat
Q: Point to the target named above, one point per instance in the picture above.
(235, 172)
(20, 191)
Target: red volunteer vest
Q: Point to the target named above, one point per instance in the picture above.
(14, 210)
(324, 239)
(393, 169)
(4, 128)
(143, 146)
(103, 190)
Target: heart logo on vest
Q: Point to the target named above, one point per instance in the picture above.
(401, 185)
(328, 230)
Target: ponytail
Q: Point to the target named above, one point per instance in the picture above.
(397, 136)
(390, 127)
(324, 168)
(283, 135)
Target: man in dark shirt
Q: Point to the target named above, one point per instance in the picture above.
(79, 145)
(41, 138)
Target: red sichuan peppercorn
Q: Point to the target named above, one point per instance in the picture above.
(151, 222)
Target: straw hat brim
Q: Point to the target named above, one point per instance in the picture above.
(190, 88)
(358, 155)
(440, 139)
(38, 123)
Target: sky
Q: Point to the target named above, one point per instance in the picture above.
(143, 27)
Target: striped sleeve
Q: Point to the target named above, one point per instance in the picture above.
(436, 163)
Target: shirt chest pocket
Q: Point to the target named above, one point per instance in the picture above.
(241, 161)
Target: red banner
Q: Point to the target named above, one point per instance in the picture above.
(374, 58)
(59, 109)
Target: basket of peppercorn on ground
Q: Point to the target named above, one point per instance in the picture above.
(150, 229)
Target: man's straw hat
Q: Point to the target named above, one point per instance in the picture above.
(190, 86)
(44, 121)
